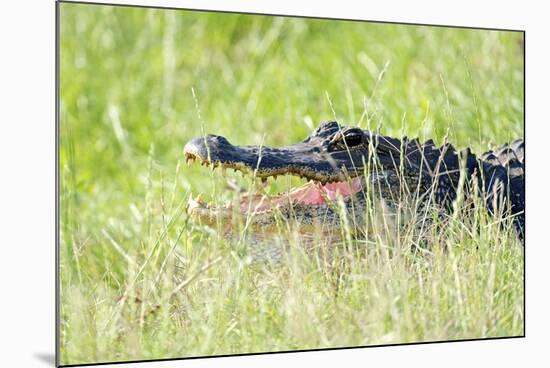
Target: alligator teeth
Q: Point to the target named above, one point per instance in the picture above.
(264, 180)
(192, 202)
(232, 184)
(189, 158)
(196, 202)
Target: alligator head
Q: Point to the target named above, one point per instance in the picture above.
(334, 159)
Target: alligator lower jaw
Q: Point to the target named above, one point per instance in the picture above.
(261, 210)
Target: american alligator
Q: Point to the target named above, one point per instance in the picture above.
(341, 163)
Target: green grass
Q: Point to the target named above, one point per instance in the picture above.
(140, 280)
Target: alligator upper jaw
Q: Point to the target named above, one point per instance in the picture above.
(305, 160)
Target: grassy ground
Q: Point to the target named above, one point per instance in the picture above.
(140, 280)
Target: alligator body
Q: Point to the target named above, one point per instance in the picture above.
(343, 163)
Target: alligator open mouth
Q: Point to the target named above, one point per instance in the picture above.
(312, 194)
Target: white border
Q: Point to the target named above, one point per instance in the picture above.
(27, 181)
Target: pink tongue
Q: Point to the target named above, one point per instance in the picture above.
(317, 193)
(310, 193)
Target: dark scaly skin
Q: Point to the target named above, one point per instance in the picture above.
(391, 168)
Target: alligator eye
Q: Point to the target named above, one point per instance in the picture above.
(346, 139)
(353, 138)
